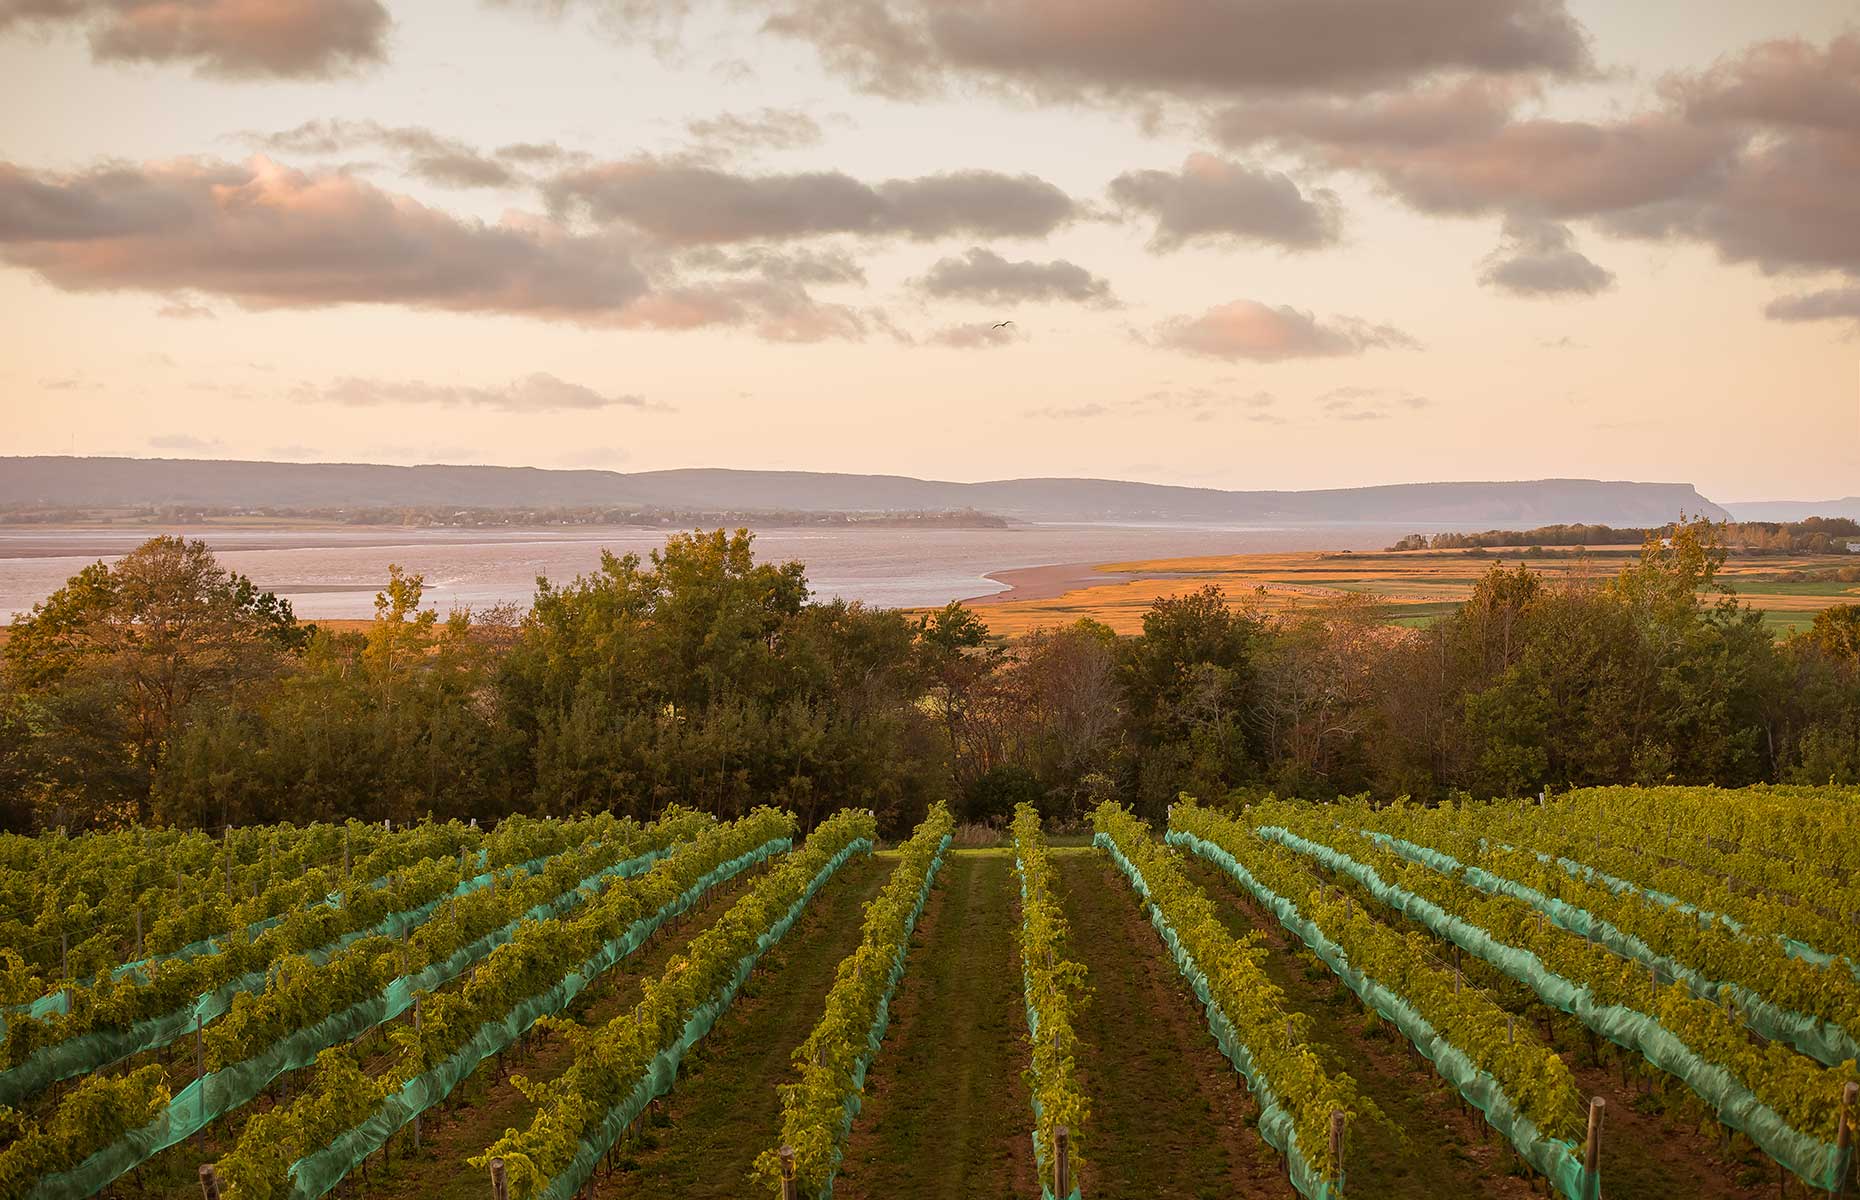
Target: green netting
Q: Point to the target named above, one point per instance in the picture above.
(91, 1051)
(1823, 1041)
(55, 1002)
(1033, 1032)
(219, 1092)
(881, 1021)
(1275, 1123)
(317, 1173)
(659, 1076)
(1818, 1163)
(1794, 947)
(1555, 1159)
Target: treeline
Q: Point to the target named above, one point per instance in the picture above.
(1814, 535)
(452, 516)
(162, 688)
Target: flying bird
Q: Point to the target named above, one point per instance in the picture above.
(1002, 325)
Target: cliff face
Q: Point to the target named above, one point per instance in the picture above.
(59, 481)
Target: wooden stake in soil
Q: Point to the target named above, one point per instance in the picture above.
(500, 1186)
(1336, 1145)
(1592, 1145)
(1062, 1162)
(416, 1037)
(209, 1182)
(789, 1189)
(1844, 1137)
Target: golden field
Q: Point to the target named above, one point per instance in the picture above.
(1416, 586)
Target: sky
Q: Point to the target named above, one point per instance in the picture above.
(1237, 243)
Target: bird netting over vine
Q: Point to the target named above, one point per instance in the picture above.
(314, 1174)
(658, 1077)
(1554, 1158)
(1275, 1122)
(1820, 1164)
(218, 1092)
(1823, 1041)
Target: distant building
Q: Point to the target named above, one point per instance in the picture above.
(1853, 547)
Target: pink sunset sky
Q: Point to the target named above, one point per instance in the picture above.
(1247, 244)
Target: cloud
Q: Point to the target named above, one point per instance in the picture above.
(184, 441)
(185, 310)
(1539, 258)
(269, 237)
(1190, 48)
(1832, 304)
(537, 392)
(766, 129)
(1248, 329)
(1199, 404)
(1215, 200)
(440, 160)
(240, 39)
(1755, 157)
(978, 335)
(983, 275)
(804, 266)
(1368, 404)
(1786, 82)
(692, 204)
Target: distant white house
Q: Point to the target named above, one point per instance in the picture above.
(1853, 547)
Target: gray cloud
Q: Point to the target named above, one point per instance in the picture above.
(1755, 157)
(1539, 258)
(185, 310)
(1212, 199)
(1180, 47)
(804, 266)
(1368, 404)
(978, 335)
(1198, 404)
(765, 129)
(301, 39)
(691, 204)
(184, 441)
(1248, 329)
(425, 154)
(983, 275)
(270, 237)
(537, 392)
(1831, 304)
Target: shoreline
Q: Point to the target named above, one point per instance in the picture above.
(1046, 582)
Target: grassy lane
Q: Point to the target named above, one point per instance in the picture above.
(1434, 1145)
(725, 1109)
(946, 1114)
(1170, 1116)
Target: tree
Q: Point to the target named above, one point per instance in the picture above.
(111, 666)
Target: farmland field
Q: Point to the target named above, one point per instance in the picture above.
(1630, 993)
(1415, 586)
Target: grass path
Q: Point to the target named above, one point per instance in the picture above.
(1170, 1117)
(946, 1114)
(1443, 1149)
(725, 1109)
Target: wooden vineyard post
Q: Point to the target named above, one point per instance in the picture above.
(345, 853)
(789, 1189)
(1336, 1145)
(1511, 1029)
(209, 1182)
(1062, 1162)
(1844, 1137)
(138, 931)
(416, 1038)
(1592, 1145)
(500, 1186)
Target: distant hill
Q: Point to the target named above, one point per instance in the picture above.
(103, 482)
(1795, 510)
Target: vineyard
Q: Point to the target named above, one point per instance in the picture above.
(1615, 992)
